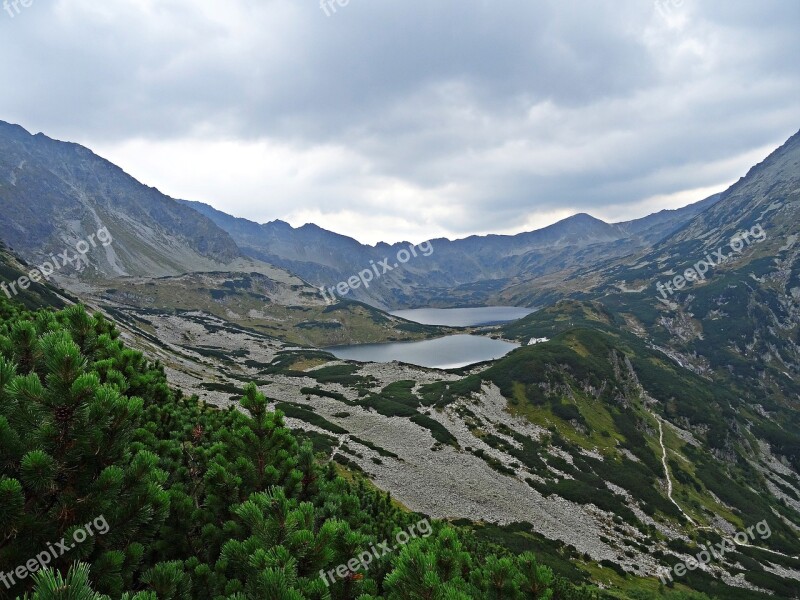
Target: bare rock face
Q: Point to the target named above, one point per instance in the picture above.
(54, 195)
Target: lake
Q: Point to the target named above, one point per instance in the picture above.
(447, 352)
(464, 317)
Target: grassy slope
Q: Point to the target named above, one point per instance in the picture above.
(292, 313)
(580, 368)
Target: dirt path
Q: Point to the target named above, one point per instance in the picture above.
(775, 552)
(666, 469)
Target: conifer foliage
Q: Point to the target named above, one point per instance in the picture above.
(200, 503)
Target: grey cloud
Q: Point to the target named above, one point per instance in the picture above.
(526, 106)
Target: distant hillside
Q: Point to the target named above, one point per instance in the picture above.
(56, 196)
(39, 294)
(53, 195)
(469, 271)
(739, 315)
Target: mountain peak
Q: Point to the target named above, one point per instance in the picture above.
(279, 224)
(12, 130)
(60, 193)
(583, 218)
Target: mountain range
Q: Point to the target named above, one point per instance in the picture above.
(56, 194)
(659, 415)
(470, 271)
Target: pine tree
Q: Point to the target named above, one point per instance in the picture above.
(200, 503)
(52, 585)
(536, 580)
(65, 437)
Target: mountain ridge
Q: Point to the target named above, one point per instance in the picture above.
(638, 431)
(55, 194)
(476, 266)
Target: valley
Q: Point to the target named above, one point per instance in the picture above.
(399, 300)
(609, 432)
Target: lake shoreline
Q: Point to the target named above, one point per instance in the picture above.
(472, 346)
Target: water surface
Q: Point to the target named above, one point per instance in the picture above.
(447, 352)
(464, 317)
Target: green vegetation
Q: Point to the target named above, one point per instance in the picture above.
(373, 447)
(249, 301)
(439, 431)
(200, 503)
(341, 374)
(397, 400)
(295, 411)
(441, 393)
(221, 387)
(323, 394)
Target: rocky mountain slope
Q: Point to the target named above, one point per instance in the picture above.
(466, 271)
(722, 294)
(38, 293)
(283, 308)
(766, 196)
(55, 195)
(592, 447)
(650, 423)
(98, 232)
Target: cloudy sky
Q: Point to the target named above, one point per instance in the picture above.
(411, 119)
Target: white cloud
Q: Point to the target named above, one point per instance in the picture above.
(416, 119)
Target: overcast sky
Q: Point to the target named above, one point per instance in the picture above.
(412, 119)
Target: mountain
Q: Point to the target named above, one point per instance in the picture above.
(738, 309)
(55, 195)
(721, 297)
(462, 272)
(39, 294)
(659, 225)
(765, 196)
(652, 422)
(58, 196)
(143, 252)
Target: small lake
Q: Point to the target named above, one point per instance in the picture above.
(447, 352)
(464, 317)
